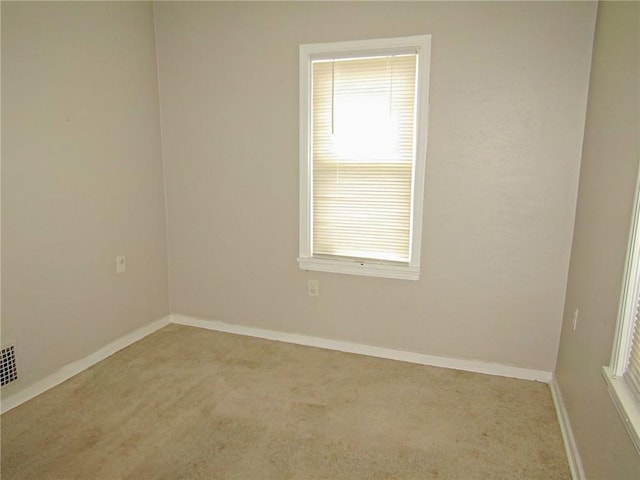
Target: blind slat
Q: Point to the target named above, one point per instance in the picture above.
(632, 373)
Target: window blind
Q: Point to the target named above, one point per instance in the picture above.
(363, 148)
(632, 372)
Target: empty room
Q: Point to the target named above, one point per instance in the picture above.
(320, 240)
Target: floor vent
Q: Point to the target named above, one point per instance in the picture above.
(8, 371)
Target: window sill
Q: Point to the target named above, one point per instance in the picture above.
(401, 272)
(625, 403)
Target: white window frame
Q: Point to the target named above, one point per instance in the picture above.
(309, 52)
(627, 405)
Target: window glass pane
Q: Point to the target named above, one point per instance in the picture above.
(363, 148)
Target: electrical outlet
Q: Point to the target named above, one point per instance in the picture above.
(121, 263)
(313, 288)
(574, 323)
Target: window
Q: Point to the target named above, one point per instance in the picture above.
(623, 376)
(363, 132)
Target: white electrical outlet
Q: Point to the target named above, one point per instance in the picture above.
(121, 263)
(313, 288)
(574, 324)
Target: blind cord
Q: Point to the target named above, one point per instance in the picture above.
(333, 87)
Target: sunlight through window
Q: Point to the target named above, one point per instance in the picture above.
(365, 128)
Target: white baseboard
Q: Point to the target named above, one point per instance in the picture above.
(74, 368)
(573, 454)
(349, 347)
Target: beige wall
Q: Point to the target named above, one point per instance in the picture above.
(508, 94)
(81, 180)
(607, 182)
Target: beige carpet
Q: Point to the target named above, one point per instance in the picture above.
(187, 403)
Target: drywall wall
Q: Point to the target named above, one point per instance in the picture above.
(81, 180)
(509, 82)
(605, 200)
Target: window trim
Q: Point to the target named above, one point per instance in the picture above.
(623, 398)
(309, 52)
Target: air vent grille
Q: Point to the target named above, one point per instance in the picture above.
(8, 371)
